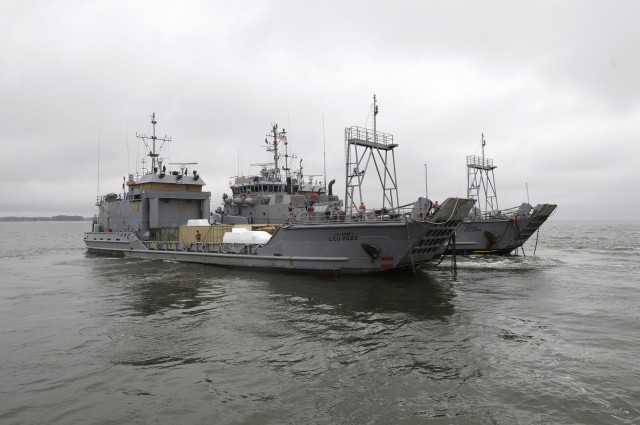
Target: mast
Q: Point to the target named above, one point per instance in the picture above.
(481, 184)
(426, 181)
(274, 134)
(283, 137)
(375, 112)
(277, 138)
(98, 190)
(324, 154)
(153, 154)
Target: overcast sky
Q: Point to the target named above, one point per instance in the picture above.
(553, 85)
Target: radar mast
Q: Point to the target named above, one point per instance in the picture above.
(153, 154)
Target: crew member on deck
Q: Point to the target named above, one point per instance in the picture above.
(435, 207)
(198, 235)
(289, 218)
(361, 208)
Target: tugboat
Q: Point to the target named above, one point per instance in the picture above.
(152, 202)
(491, 230)
(169, 222)
(277, 194)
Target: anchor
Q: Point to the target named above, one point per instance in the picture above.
(371, 250)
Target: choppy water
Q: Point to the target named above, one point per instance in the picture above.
(551, 338)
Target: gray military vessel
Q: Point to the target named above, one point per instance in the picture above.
(489, 229)
(165, 215)
(155, 199)
(277, 193)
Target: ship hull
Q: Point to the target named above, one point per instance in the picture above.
(499, 236)
(335, 249)
(349, 248)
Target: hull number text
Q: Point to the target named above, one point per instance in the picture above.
(343, 236)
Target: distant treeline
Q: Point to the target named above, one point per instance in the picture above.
(54, 218)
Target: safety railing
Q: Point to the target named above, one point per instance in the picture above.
(506, 213)
(340, 216)
(479, 162)
(368, 135)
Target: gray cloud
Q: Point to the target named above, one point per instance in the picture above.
(552, 85)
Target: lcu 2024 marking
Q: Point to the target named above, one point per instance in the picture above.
(343, 236)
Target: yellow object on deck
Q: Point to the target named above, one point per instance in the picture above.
(210, 234)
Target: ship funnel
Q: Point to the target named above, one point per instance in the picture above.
(331, 186)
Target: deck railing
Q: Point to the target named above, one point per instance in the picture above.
(479, 162)
(368, 135)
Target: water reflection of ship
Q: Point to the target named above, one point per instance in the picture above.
(160, 287)
(366, 299)
(141, 297)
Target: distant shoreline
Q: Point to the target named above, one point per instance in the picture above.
(52, 218)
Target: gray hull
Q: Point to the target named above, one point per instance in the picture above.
(351, 248)
(499, 235)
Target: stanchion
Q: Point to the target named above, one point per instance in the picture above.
(453, 251)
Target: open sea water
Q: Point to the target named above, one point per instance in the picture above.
(550, 338)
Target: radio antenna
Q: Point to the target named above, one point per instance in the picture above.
(324, 152)
(98, 189)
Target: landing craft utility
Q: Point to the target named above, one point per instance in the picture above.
(488, 229)
(151, 219)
